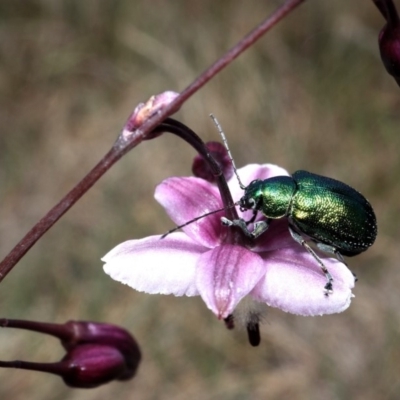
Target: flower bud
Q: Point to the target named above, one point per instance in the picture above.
(96, 353)
(389, 46)
(83, 332)
(144, 111)
(89, 366)
(389, 38)
(85, 366)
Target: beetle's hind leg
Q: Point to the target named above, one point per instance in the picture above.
(328, 289)
(342, 260)
(330, 249)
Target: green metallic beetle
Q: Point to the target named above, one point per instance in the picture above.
(319, 209)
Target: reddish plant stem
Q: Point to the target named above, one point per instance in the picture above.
(58, 368)
(170, 125)
(121, 147)
(379, 4)
(58, 211)
(391, 14)
(388, 10)
(57, 330)
(214, 69)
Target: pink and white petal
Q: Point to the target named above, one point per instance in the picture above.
(154, 265)
(251, 172)
(186, 198)
(225, 275)
(294, 283)
(276, 237)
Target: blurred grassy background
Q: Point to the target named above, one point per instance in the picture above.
(312, 95)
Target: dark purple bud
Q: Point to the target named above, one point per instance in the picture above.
(74, 334)
(389, 46)
(217, 150)
(389, 38)
(85, 366)
(89, 366)
(83, 332)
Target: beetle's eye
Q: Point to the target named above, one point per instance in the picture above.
(244, 204)
(251, 202)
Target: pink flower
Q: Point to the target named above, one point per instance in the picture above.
(201, 261)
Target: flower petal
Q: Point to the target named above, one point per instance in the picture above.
(276, 237)
(154, 265)
(295, 283)
(186, 198)
(225, 275)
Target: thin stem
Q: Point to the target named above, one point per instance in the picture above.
(58, 211)
(379, 4)
(60, 331)
(389, 11)
(219, 65)
(177, 128)
(391, 14)
(58, 368)
(122, 147)
(233, 236)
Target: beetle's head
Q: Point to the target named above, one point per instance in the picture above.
(251, 198)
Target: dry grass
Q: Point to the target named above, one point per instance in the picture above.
(311, 95)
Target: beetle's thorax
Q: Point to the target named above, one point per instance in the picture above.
(271, 196)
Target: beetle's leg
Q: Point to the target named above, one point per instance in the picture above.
(330, 249)
(328, 289)
(241, 223)
(253, 218)
(341, 259)
(259, 227)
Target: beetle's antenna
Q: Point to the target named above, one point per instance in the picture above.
(196, 219)
(223, 137)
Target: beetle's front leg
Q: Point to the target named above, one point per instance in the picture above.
(241, 223)
(259, 227)
(253, 218)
